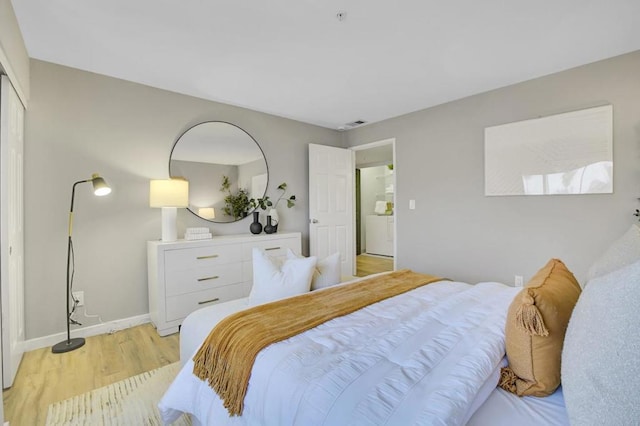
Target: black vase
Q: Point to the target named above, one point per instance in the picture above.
(256, 226)
(269, 228)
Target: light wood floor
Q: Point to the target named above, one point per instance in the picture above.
(367, 265)
(45, 377)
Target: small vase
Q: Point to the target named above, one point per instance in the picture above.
(269, 228)
(256, 226)
(275, 219)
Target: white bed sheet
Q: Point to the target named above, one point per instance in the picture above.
(429, 356)
(506, 409)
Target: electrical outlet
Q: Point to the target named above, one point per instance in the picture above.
(79, 296)
(519, 281)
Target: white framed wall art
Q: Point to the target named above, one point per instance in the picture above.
(568, 153)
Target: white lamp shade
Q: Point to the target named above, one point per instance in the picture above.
(100, 186)
(207, 213)
(169, 193)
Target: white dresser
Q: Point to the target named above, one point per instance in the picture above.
(187, 275)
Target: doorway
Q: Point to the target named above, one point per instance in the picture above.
(375, 219)
(332, 205)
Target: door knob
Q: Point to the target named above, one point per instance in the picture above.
(314, 220)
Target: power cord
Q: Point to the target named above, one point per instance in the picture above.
(73, 271)
(88, 315)
(76, 301)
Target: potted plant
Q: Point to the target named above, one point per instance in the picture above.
(265, 203)
(235, 205)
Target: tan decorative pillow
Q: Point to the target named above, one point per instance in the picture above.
(536, 323)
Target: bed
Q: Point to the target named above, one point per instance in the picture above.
(468, 354)
(430, 356)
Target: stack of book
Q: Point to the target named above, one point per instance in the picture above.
(197, 234)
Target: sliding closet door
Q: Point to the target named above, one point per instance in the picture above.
(11, 230)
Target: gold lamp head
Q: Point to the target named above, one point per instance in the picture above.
(100, 186)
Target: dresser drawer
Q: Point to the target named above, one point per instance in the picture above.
(198, 257)
(180, 306)
(274, 248)
(203, 278)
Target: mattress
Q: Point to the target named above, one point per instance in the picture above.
(429, 356)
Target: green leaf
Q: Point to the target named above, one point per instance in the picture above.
(282, 186)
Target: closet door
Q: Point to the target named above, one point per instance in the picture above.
(11, 230)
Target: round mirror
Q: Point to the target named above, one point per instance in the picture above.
(225, 168)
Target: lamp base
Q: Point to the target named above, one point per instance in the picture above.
(169, 229)
(68, 345)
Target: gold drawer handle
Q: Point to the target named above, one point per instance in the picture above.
(272, 248)
(212, 256)
(204, 302)
(215, 277)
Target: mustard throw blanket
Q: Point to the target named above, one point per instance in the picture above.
(226, 357)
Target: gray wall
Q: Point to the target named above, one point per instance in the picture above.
(456, 231)
(79, 123)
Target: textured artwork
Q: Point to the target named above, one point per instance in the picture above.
(569, 153)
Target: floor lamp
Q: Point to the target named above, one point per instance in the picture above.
(100, 188)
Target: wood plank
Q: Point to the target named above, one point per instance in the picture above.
(45, 377)
(367, 264)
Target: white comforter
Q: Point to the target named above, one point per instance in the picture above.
(428, 357)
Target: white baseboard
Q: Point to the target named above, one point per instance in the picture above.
(93, 330)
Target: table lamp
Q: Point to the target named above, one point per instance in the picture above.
(169, 194)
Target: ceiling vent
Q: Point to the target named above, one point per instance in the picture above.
(355, 123)
(351, 125)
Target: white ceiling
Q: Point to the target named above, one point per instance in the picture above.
(295, 59)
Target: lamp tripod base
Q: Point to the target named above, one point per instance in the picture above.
(68, 345)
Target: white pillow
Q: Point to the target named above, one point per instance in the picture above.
(622, 252)
(328, 270)
(600, 366)
(271, 281)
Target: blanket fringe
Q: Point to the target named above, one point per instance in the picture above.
(529, 318)
(508, 380)
(210, 366)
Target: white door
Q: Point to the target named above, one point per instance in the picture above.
(11, 230)
(331, 204)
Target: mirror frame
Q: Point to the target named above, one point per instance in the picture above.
(186, 177)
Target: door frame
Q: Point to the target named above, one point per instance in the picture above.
(383, 142)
